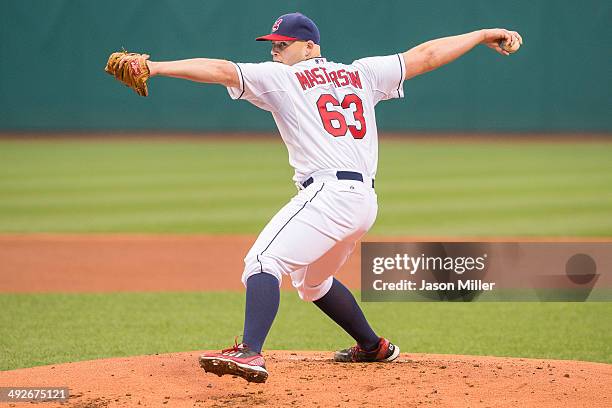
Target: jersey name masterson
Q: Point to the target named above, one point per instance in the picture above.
(321, 76)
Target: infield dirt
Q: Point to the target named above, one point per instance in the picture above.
(34, 263)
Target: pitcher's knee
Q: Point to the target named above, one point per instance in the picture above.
(258, 264)
(310, 293)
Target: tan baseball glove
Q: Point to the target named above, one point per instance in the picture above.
(131, 69)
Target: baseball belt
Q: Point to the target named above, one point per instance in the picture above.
(341, 175)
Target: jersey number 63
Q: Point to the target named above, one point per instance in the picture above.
(327, 116)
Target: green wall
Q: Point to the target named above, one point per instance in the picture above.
(53, 54)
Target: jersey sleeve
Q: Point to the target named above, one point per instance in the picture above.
(385, 75)
(263, 84)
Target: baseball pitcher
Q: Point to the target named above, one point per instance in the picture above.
(325, 115)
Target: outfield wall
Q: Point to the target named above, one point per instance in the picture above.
(54, 52)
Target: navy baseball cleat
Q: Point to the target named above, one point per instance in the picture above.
(385, 352)
(237, 360)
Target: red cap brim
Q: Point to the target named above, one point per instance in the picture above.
(275, 37)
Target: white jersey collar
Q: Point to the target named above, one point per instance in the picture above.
(312, 61)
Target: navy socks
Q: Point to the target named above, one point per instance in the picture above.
(262, 301)
(340, 305)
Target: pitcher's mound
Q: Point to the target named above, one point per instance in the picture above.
(311, 379)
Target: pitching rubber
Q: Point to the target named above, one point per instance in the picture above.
(222, 366)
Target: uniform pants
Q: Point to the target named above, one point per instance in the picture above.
(312, 236)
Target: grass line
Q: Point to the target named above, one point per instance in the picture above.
(71, 327)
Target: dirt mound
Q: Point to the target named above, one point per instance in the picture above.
(311, 379)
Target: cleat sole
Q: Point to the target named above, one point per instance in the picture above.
(222, 367)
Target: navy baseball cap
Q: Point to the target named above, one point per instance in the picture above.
(291, 27)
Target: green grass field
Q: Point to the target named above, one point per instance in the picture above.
(480, 189)
(51, 328)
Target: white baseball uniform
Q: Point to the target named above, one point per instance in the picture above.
(325, 114)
